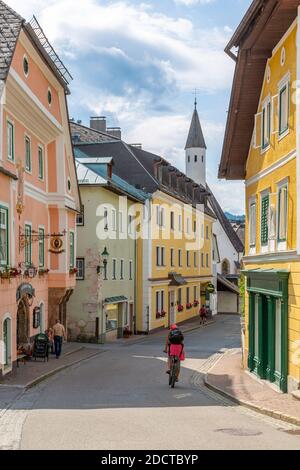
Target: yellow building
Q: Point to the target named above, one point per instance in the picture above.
(174, 239)
(261, 146)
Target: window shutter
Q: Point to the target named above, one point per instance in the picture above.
(264, 220)
(282, 213)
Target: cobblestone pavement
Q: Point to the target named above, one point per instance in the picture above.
(120, 400)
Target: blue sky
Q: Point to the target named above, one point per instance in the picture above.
(138, 63)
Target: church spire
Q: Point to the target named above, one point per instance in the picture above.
(195, 138)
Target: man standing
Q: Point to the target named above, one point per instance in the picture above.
(59, 334)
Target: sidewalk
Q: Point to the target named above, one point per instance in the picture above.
(229, 378)
(32, 372)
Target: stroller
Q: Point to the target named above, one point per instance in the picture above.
(41, 347)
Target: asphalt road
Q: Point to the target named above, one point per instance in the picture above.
(121, 400)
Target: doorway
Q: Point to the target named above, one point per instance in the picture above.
(22, 323)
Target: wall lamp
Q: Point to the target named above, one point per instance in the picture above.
(104, 256)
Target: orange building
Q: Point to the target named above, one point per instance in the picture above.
(39, 196)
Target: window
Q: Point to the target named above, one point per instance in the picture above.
(196, 158)
(188, 225)
(41, 247)
(252, 223)
(282, 212)
(225, 267)
(27, 154)
(130, 270)
(264, 236)
(187, 295)
(105, 217)
(160, 216)
(172, 258)
(72, 249)
(49, 96)
(189, 158)
(180, 223)
(180, 258)
(80, 217)
(172, 220)
(202, 260)
(158, 262)
(69, 184)
(163, 258)
(195, 259)
(202, 231)
(188, 263)
(195, 226)
(114, 220)
(179, 297)
(195, 292)
(266, 125)
(10, 141)
(80, 269)
(27, 249)
(122, 269)
(207, 260)
(283, 109)
(207, 232)
(41, 163)
(160, 301)
(130, 224)
(4, 250)
(114, 269)
(25, 66)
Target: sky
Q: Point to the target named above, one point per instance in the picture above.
(138, 64)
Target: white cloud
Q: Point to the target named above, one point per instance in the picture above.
(193, 2)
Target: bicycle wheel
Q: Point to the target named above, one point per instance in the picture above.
(174, 370)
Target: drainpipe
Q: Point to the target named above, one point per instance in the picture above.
(135, 288)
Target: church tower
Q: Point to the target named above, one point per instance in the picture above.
(195, 151)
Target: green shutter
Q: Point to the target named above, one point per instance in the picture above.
(41, 248)
(264, 220)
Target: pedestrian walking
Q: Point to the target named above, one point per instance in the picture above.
(202, 314)
(59, 335)
(49, 333)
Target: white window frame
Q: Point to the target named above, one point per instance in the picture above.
(266, 106)
(114, 220)
(285, 82)
(130, 270)
(78, 276)
(28, 139)
(41, 227)
(282, 243)
(252, 246)
(5, 208)
(172, 257)
(41, 148)
(10, 148)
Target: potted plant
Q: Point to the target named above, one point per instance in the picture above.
(43, 271)
(158, 315)
(163, 314)
(196, 303)
(180, 308)
(210, 288)
(189, 306)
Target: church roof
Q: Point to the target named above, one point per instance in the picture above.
(195, 138)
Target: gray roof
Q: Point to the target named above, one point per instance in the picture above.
(136, 166)
(195, 138)
(10, 27)
(81, 133)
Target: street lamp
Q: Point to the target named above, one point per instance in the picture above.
(104, 256)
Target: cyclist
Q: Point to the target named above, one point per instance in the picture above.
(174, 347)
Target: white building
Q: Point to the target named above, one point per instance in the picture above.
(228, 248)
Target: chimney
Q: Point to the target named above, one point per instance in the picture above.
(115, 132)
(98, 123)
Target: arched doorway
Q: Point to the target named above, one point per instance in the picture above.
(6, 334)
(22, 322)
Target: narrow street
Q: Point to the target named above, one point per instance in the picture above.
(121, 400)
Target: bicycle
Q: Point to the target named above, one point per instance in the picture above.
(174, 371)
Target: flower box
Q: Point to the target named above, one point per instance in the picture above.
(73, 271)
(163, 314)
(180, 308)
(189, 306)
(42, 272)
(196, 303)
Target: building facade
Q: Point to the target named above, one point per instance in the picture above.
(38, 188)
(266, 154)
(104, 302)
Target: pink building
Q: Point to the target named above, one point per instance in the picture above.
(39, 196)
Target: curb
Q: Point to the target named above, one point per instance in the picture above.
(259, 409)
(45, 376)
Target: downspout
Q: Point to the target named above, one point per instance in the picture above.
(298, 134)
(135, 288)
